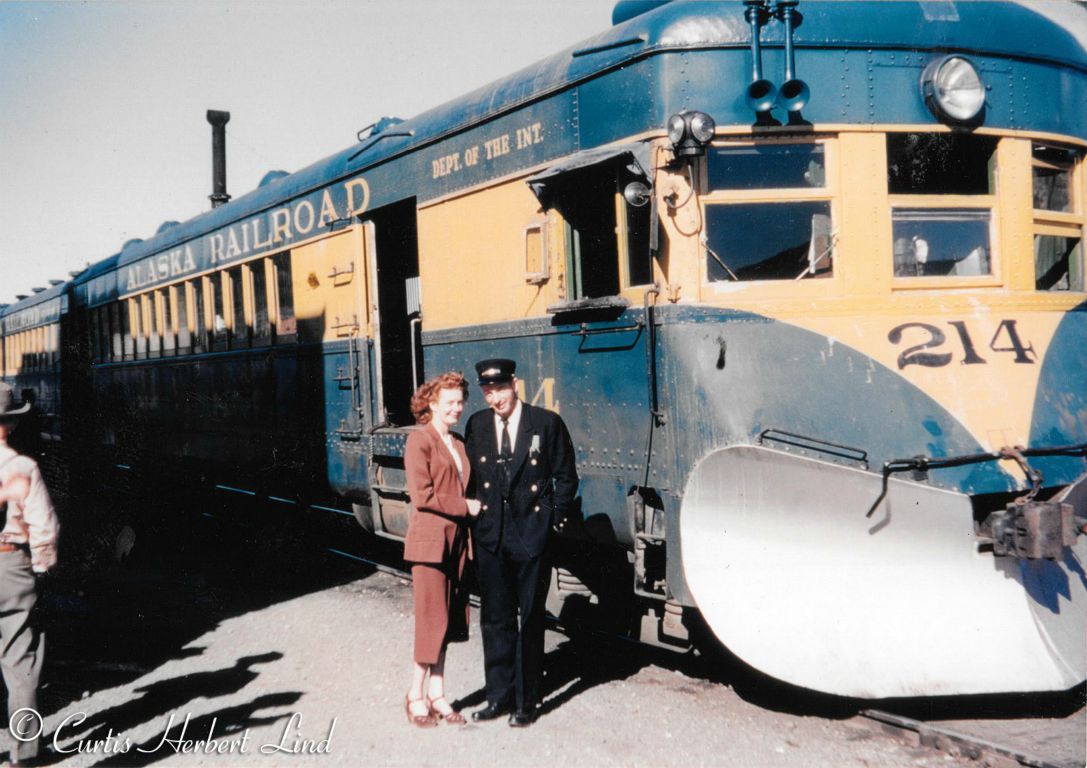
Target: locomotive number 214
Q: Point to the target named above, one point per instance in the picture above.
(1005, 340)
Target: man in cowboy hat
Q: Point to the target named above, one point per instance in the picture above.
(28, 546)
(525, 477)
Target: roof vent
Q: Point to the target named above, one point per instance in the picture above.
(21, 296)
(129, 243)
(383, 124)
(625, 10)
(165, 226)
(272, 176)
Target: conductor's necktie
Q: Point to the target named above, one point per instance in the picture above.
(505, 455)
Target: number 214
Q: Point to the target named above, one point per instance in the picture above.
(1006, 339)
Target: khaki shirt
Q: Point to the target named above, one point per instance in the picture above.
(33, 522)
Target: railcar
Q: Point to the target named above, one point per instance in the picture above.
(805, 282)
(30, 359)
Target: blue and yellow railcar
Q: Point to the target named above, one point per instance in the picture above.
(30, 359)
(805, 282)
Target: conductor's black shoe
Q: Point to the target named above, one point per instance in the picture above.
(522, 718)
(490, 712)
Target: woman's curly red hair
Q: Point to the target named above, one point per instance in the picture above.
(429, 391)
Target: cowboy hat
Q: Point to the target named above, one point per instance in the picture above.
(7, 400)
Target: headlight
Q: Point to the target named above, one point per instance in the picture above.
(702, 127)
(676, 127)
(953, 89)
(689, 133)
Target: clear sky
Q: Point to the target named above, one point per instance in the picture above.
(102, 128)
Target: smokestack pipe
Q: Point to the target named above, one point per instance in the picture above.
(218, 122)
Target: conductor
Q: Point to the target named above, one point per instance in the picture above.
(524, 475)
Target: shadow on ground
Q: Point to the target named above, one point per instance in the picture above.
(124, 602)
(130, 597)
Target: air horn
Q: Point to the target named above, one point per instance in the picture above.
(761, 94)
(794, 92)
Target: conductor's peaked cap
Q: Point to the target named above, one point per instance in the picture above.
(497, 370)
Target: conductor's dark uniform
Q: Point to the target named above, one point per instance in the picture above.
(524, 490)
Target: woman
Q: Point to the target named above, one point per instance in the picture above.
(437, 542)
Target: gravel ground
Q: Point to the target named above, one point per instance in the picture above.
(327, 671)
(218, 643)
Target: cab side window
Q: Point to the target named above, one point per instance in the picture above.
(607, 237)
(588, 206)
(767, 212)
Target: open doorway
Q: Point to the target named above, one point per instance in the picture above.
(396, 309)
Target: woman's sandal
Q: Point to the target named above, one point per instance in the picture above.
(419, 721)
(453, 717)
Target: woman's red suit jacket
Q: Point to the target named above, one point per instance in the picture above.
(437, 495)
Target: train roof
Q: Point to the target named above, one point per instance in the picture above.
(97, 283)
(1000, 29)
(39, 309)
(96, 269)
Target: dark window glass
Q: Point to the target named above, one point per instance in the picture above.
(239, 329)
(940, 241)
(261, 328)
(126, 326)
(200, 341)
(639, 259)
(285, 322)
(587, 203)
(169, 339)
(184, 336)
(768, 241)
(117, 321)
(940, 164)
(138, 326)
(1052, 172)
(103, 333)
(773, 166)
(154, 339)
(218, 313)
(1058, 263)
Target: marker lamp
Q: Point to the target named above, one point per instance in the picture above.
(689, 133)
(676, 127)
(702, 127)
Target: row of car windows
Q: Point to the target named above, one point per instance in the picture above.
(249, 305)
(930, 176)
(32, 350)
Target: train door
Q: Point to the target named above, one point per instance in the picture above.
(395, 310)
